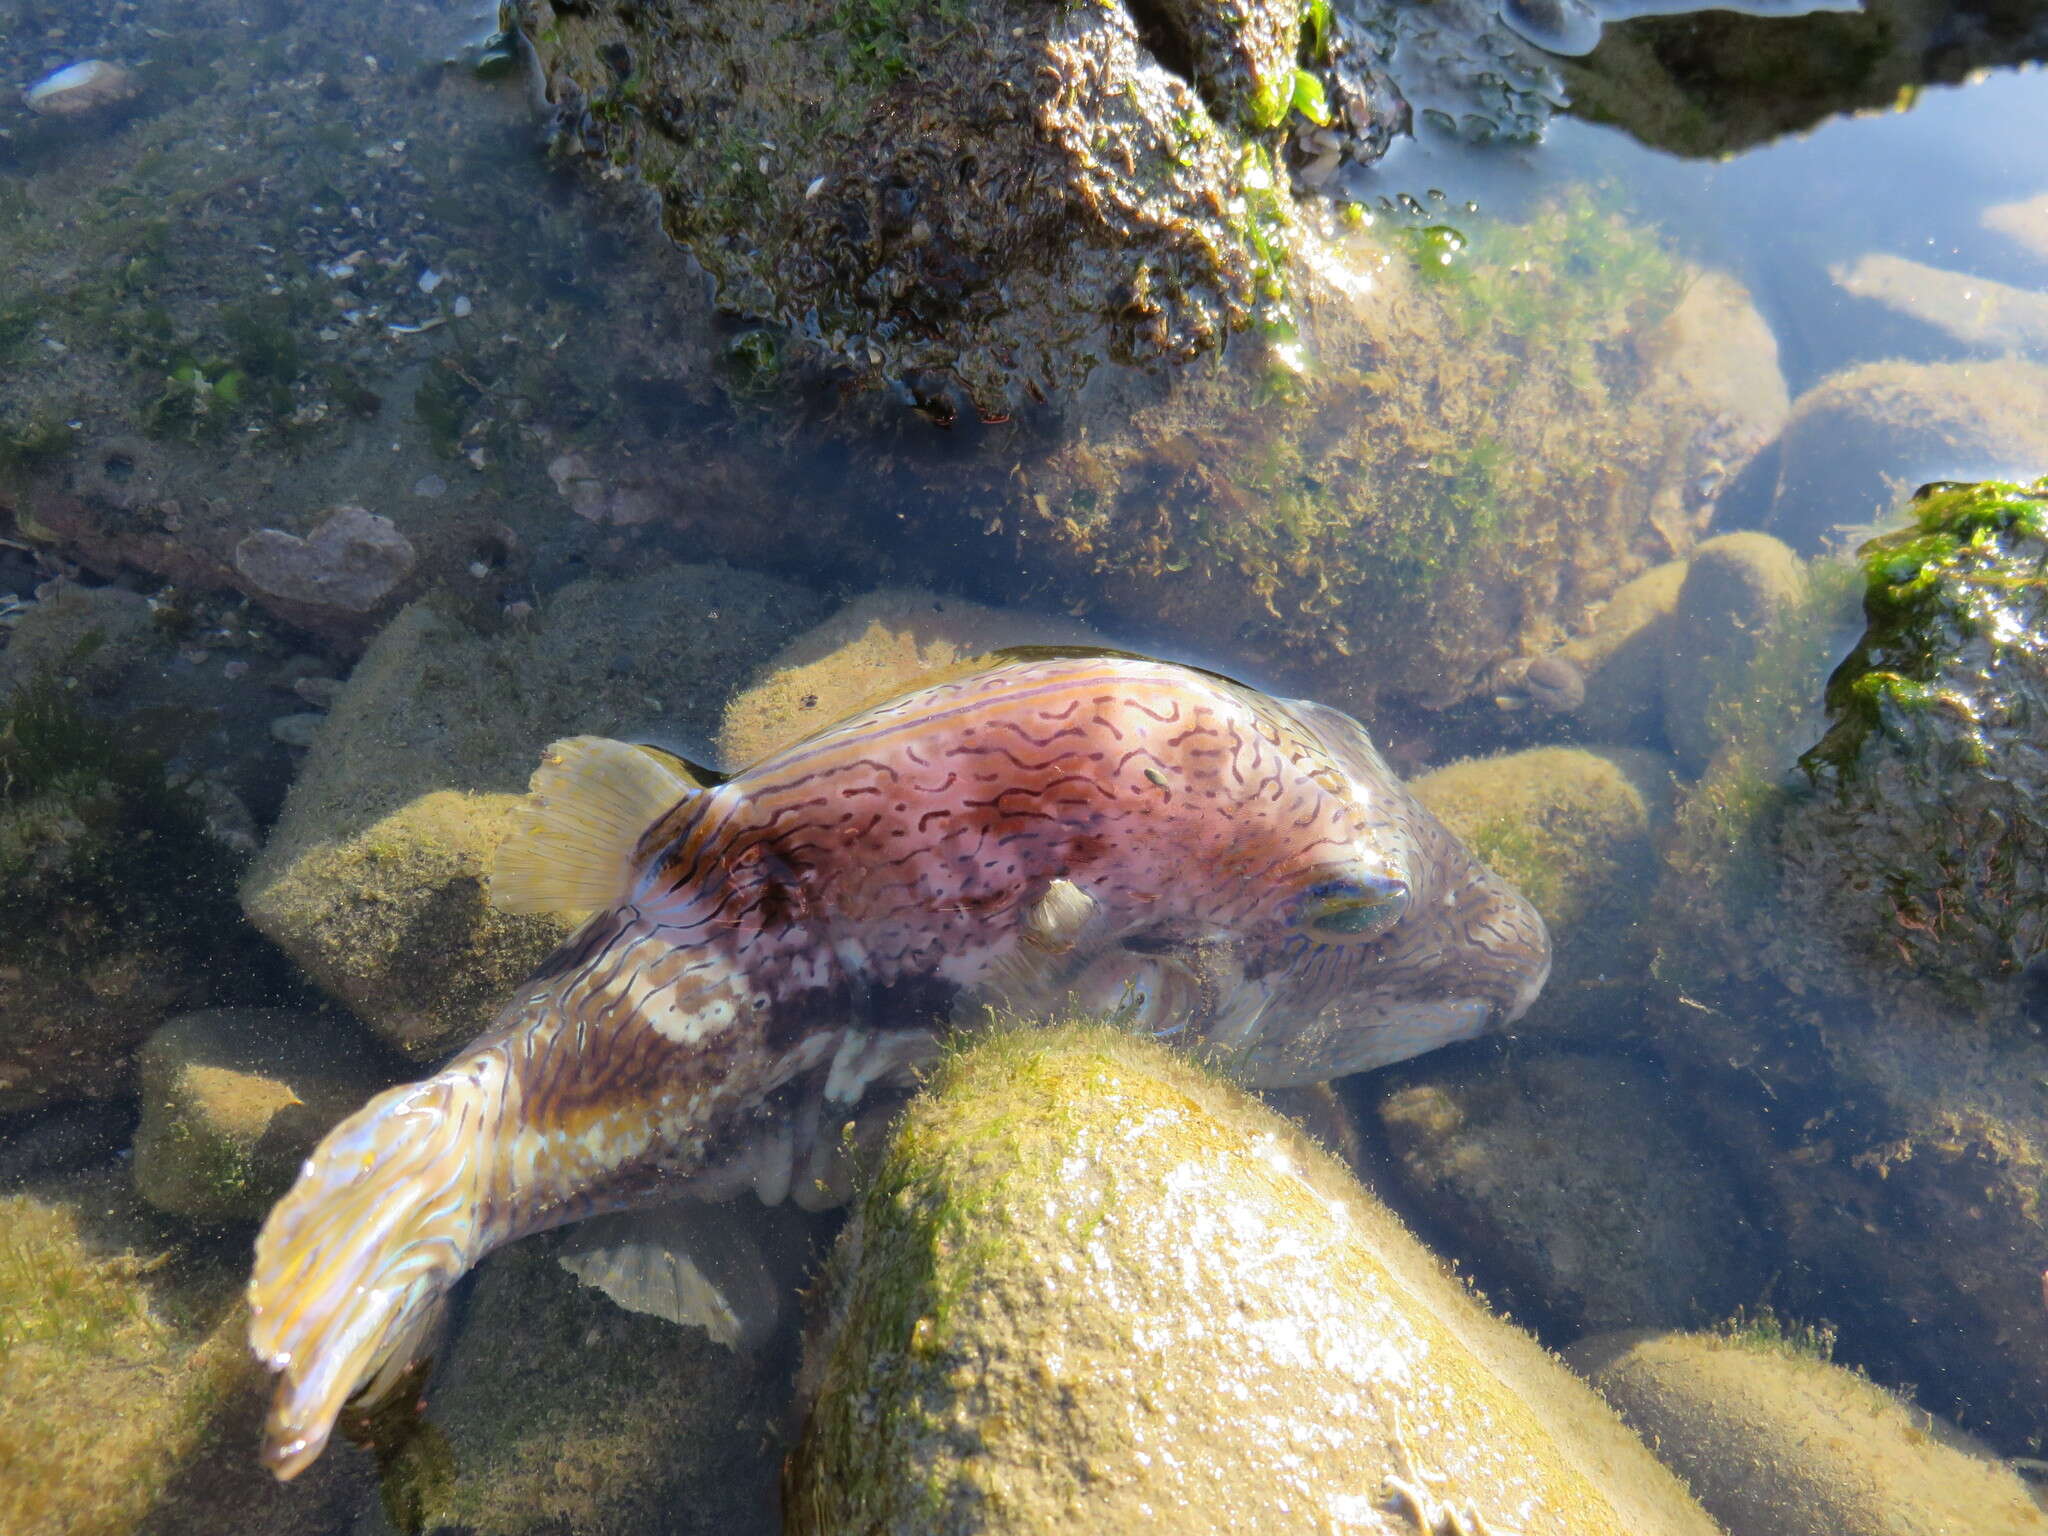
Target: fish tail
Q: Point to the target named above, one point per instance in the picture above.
(353, 1265)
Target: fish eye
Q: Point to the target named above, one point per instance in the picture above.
(1346, 910)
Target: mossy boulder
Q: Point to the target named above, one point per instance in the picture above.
(1575, 1187)
(234, 1098)
(1919, 858)
(1776, 1441)
(1618, 659)
(131, 1398)
(1739, 588)
(116, 906)
(879, 644)
(558, 1411)
(373, 878)
(1091, 1286)
(1861, 439)
(1573, 829)
(980, 199)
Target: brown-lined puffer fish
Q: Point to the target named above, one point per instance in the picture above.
(1243, 873)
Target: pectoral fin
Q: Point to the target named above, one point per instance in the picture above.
(589, 803)
(692, 1263)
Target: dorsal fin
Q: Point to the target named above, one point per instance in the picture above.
(689, 768)
(587, 807)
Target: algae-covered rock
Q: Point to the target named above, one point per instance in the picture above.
(557, 1411)
(879, 644)
(1862, 438)
(116, 906)
(233, 1099)
(1776, 1441)
(95, 635)
(1092, 1287)
(1919, 857)
(1739, 587)
(990, 192)
(1575, 1185)
(1497, 428)
(1572, 829)
(126, 1379)
(1619, 659)
(373, 879)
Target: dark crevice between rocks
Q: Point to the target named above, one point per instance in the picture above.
(1162, 38)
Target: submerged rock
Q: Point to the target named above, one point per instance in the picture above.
(1919, 858)
(1091, 1286)
(1775, 1441)
(1739, 589)
(234, 1099)
(352, 560)
(82, 89)
(1572, 829)
(981, 201)
(557, 1411)
(1862, 438)
(372, 879)
(879, 644)
(1573, 1184)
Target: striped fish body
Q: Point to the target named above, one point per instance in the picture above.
(1240, 871)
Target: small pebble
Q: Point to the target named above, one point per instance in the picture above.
(429, 280)
(430, 485)
(461, 307)
(82, 88)
(296, 730)
(235, 671)
(1555, 685)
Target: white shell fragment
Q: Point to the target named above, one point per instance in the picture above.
(78, 89)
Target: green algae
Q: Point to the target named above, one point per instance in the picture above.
(1915, 585)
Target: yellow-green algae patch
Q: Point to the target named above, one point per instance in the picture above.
(1093, 1286)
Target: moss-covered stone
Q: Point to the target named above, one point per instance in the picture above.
(126, 1377)
(1863, 438)
(1739, 587)
(1091, 1286)
(1572, 829)
(1574, 1187)
(1776, 1441)
(115, 904)
(980, 190)
(557, 1411)
(1919, 857)
(373, 879)
(878, 645)
(234, 1099)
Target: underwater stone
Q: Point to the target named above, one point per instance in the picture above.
(1571, 1183)
(78, 90)
(372, 879)
(234, 1099)
(352, 560)
(93, 636)
(1738, 589)
(1918, 858)
(1091, 1286)
(1776, 1441)
(1860, 438)
(1572, 829)
(878, 645)
(1972, 310)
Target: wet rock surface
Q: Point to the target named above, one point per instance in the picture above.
(1573, 829)
(1776, 1441)
(1573, 1182)
(556, 1410)
(234, 1099)
(980, 203)
(1916, 859)
(1861, 439)
(1739, 589)
(1150, 1305)
(373, 879)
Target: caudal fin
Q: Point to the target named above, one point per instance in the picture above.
(353, 1264)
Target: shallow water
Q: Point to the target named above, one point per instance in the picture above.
(327, 261)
